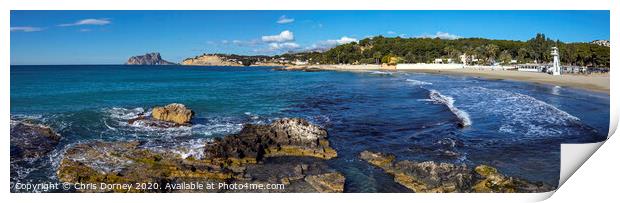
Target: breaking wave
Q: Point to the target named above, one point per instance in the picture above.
(449, 102)
(380, 73)
(117, 120)
(418, 82)
(519, 114)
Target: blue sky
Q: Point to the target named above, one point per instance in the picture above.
(110, 37)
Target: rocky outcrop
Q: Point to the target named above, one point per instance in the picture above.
(288, 152)
(328, 182)
(176, 113)
(148, 59)
(430, 176)
(169, 116)
(210, 60)
(284, 137)
(31, 140)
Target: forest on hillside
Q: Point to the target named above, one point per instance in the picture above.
(478, 51)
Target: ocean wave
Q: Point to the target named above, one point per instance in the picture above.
(380, 73)
(193, 148)
(124, 113)
(519, 114)
(418, 82)
(449, 102)
(116, 121)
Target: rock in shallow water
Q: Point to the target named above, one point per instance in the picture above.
(239, 159)
(31, 140)
(176, 113)
(284, 137)
(430, 176)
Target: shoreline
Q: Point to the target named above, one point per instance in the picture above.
(593, 83)
(598, 83)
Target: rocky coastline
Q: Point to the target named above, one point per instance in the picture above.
(433, 177)
(289, 152)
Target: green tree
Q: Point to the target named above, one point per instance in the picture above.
(505, 57)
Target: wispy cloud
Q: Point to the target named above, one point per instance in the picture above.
(26, 29)
(89, 21)
(253, 42)
(284, 20)
(391, 32)
(284, 36)
(441, 35)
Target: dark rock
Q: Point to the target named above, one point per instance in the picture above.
(235, 159)
(148, 59)
(284, 137)
(328, 182)
(31, 140)
(430, 176)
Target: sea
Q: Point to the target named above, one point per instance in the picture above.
(515, 126)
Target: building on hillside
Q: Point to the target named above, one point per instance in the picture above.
(299, 62)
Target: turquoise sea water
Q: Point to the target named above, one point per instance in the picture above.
(517, 127)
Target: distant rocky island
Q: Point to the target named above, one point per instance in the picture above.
(148, 59)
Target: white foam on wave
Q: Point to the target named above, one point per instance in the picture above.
(519, 114)
(217, 128)
(380, 73)
(449, 102)
(193, 148)
(125, 114)
(418, 82)
(117, 120)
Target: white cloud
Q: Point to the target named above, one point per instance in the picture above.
(342, 40)
(284, 20)
(90, 21)
(328, 44)
(284, 36)
(26, 29)
(283, 46)
(391, 32)
(441, 35)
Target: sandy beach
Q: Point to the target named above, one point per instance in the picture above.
(594, 82)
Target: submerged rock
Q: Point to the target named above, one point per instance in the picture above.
(176, 113)
(31, 140)
(430, 176)
(328, 182)
(236, 159)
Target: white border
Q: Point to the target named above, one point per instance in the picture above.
(8, 5)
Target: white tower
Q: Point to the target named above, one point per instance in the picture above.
(556, 61)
